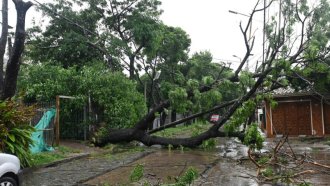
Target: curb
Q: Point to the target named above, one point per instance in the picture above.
(55, 163)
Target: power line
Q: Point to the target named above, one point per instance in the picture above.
(65, 18)
(226, 60)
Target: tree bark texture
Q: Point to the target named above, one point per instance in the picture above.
(3, 39)
(14, 61)
(131, 67)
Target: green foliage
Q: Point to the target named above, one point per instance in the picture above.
(15, 131)
(61, 42)
(137, 173)
(230, 90)
(263, 160)
(188, 178)
(209, 144)
(178, 98)
(190, 130)
(43, 158)
(246, 80)
(184, 130)
(122, 105)
(208, 80)
(210, 98)
(169, 147)
(206, 144)
(317, 73)
(253, 138)
(43, 82)
(180, 80)
(96, 30)
(241, 115)
(267, 172)
(312, 71)
(305, 184)
(172, 46)
(201, 68)
(113, 95)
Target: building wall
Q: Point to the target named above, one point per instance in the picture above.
(317, 118)
(295, 116)
(326, 114)
(268, 120)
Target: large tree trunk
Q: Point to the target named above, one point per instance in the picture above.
(3, 39)
(14, 61)
(163, 117)
(173, 115)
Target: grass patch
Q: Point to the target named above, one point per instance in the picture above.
(184, 130)
(120, 151)
(188, 131)
(59, 153)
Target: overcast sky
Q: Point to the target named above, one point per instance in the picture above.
(208, 22)
(211, 26)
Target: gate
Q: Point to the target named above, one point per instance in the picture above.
(40, 109)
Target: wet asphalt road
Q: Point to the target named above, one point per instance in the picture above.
(76, 171)
(217, 167)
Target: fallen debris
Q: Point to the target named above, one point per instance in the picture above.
(283, 165)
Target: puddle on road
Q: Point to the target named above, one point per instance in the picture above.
(321, 156)
(159, 166)
(217, 167)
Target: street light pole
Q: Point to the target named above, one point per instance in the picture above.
(250, 33)
(240, 59)
(234, 12)
(264, 36)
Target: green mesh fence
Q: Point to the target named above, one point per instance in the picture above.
(38, 136)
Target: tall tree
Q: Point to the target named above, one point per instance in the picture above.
(14, 62)
(3, 39)
(62, 42)
(117, 29)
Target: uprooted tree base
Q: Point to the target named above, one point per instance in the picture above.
(284, 165)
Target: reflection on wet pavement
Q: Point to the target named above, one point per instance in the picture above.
(222, 166)
(217, 167)
(161, 166)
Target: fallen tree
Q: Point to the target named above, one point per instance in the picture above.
(281, 56)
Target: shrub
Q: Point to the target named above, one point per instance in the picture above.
(188, 178)
(114, 97)
(15, 131)
(253, 137)
(137, 173)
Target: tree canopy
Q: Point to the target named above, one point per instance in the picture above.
(127, 35)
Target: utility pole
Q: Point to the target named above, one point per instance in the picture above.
(264, 37)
